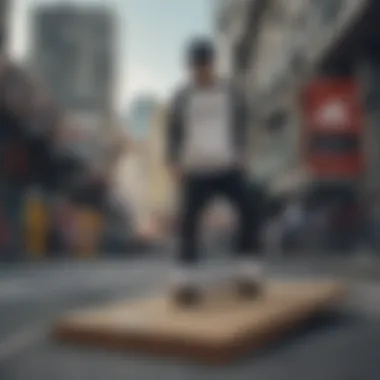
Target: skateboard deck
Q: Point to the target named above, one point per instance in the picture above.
(219, 330)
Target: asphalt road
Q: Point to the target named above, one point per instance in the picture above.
(342, 346)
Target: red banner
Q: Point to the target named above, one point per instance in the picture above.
(333, 129)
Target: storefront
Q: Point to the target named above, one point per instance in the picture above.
(333, 130)
(334, 152)
(29, 160)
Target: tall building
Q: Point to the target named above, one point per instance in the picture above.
(142, 116)
(73, 52)
(292, 44)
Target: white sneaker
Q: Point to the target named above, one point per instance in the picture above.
(249, 278)
(186, 287)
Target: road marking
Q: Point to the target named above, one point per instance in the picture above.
(19, 341)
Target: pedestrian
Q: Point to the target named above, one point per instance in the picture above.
(207, 143)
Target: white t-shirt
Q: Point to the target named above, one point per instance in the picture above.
(208, 138)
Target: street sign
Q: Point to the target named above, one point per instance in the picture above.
(333, 127)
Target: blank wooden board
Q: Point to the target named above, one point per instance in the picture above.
(222, 329)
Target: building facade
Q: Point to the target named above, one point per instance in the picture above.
(291, 44)
(73, 52)
(142, 117)
(161, 187)
(231, 23)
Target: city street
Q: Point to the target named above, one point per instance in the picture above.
(98, 151)
(343, 346)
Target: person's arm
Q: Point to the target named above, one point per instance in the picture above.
(240, 124)
(175, 131)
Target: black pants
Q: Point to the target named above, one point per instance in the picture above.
(197, 191)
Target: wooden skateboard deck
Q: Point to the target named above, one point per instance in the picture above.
(221, 329)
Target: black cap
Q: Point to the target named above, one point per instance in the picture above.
(200, 52)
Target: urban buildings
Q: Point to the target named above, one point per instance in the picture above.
(142, 174)
(230, 24)
(142, 116)
(31, 165)
(277, 49)
(133, 171)
(161, 195)
(73, 52)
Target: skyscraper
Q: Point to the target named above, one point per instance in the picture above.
(73, 52)
(142, 115)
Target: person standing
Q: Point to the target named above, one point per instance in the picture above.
(207, 142)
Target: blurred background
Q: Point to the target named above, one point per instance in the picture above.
(84, 93)
(82, 151)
